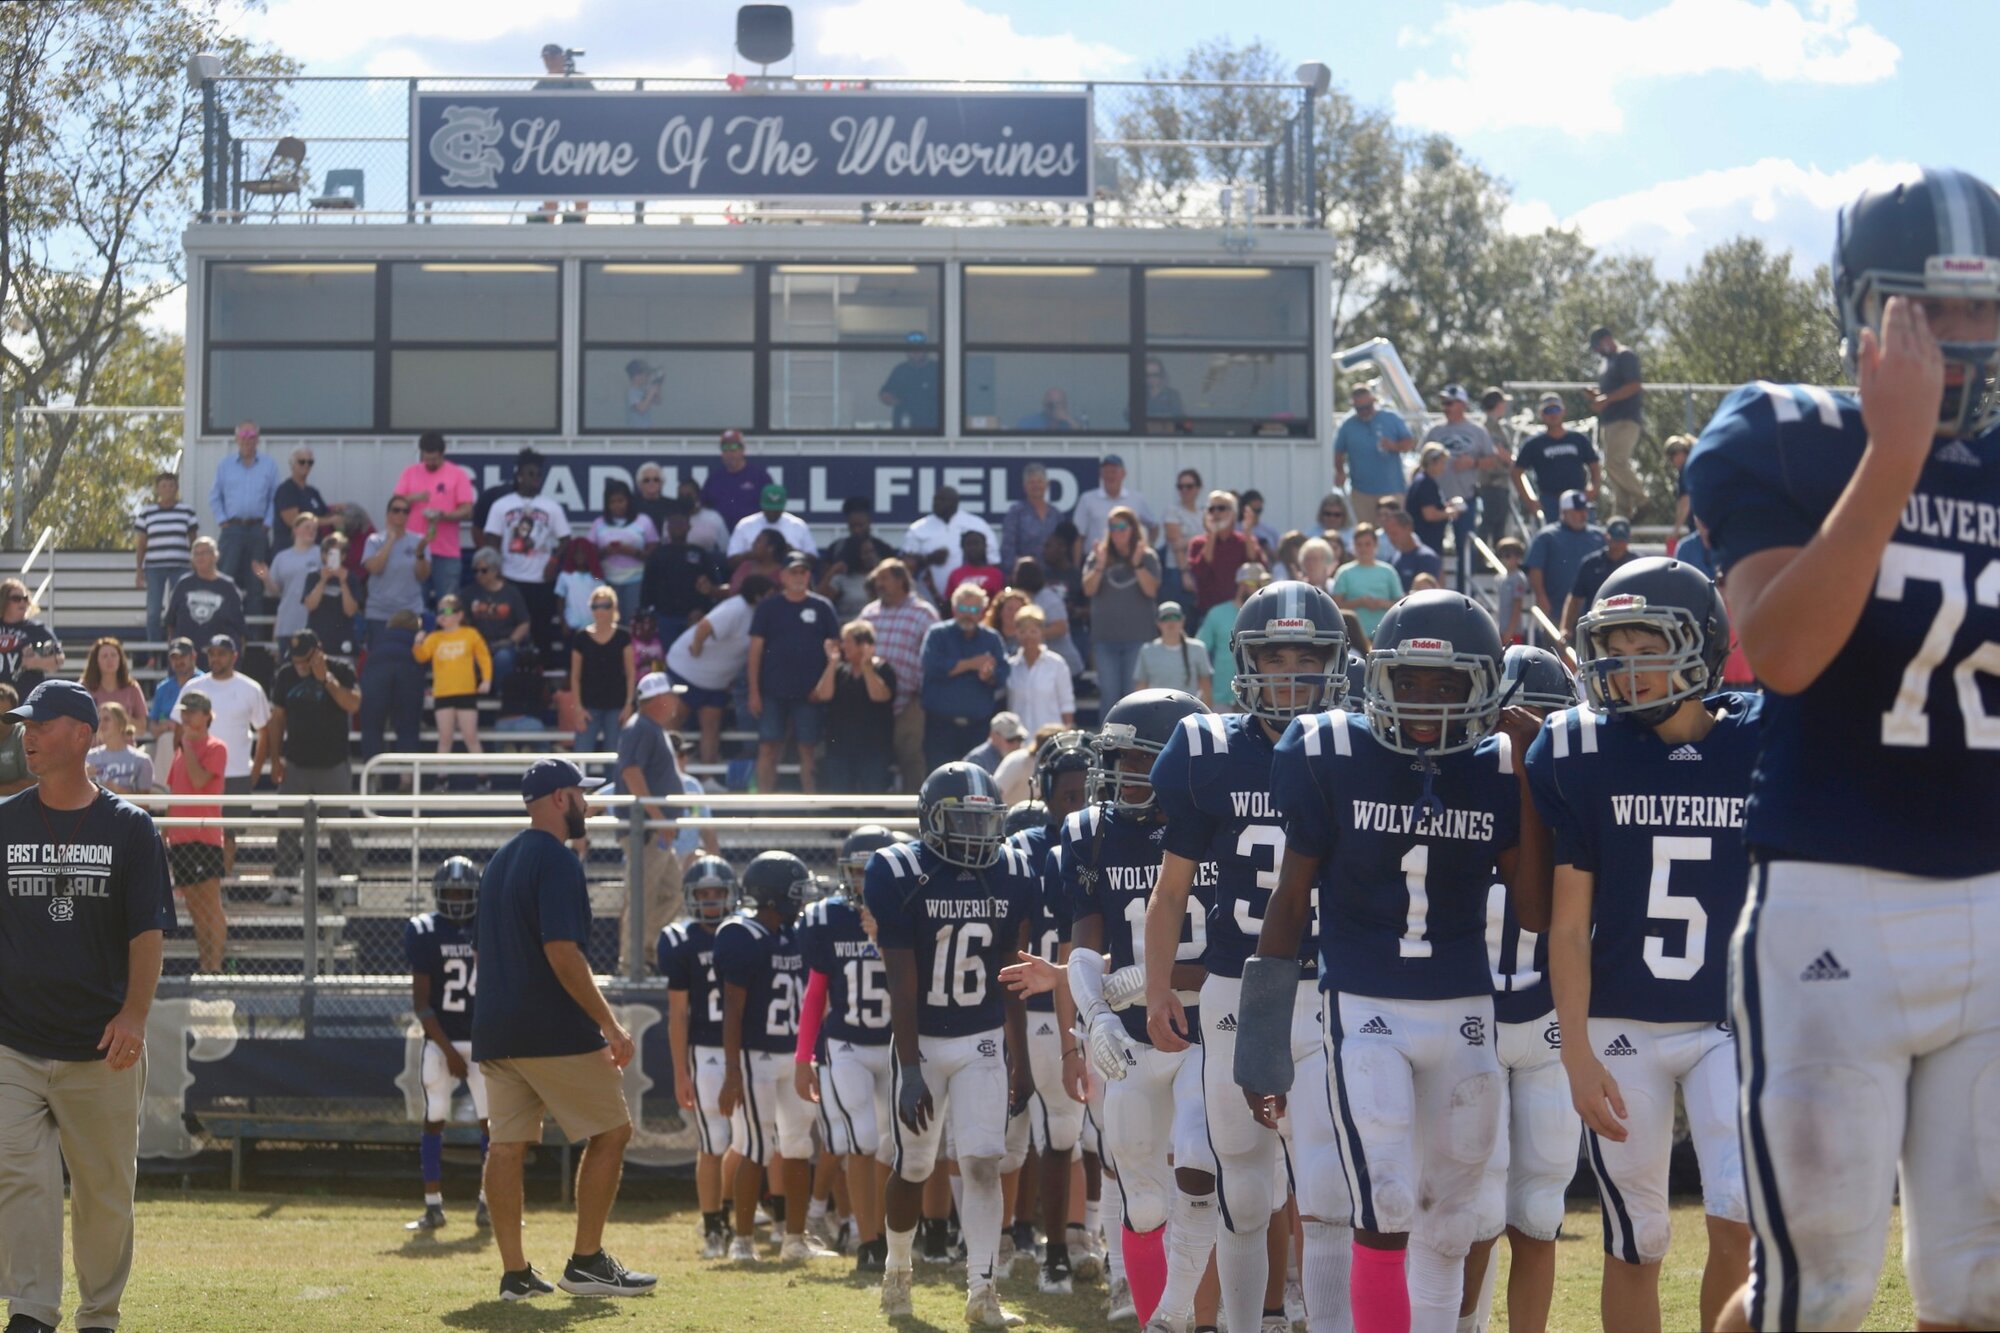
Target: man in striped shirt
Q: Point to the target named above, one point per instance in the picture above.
(901, 619)
(166, 529)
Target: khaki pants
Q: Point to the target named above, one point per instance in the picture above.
(1619, 439)
(83, 1114)
(1361, 507)
(660, 874)
(909, 744)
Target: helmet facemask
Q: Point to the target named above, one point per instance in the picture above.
(1971, 407)
(1279, 696)
(1110, 782)
(458, 900)
(711, 897)
(1460, 725)
(966, 830)
(1683, 659)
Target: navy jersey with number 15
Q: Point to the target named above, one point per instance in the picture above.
(963, 925)
(1891, 758)
(857, 985)
(439, 948)
(1661, 828)
(1402, 894)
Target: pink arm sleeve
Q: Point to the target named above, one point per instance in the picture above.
(811, 1010)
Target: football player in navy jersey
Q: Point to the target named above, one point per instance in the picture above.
(1646, 804)
(444, 974)
(1152, 1104)
(1860, 550)
(686, 958)
(844, 1025)
(949, 911)
(1212, 782)
(1401, 818)
(1535, 1155)
(762, 971)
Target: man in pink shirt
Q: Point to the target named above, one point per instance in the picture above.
(443, 493)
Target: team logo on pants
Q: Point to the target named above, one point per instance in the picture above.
(989, 1047)
(1473, 1029)
(1553, 1035)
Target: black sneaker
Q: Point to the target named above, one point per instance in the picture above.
(1056, 1273)
(871, 1256)
(432, 1220)
(1024, 1237)
(937, 1241)
(519, 1286)
(21, 1323)
(601, 1275)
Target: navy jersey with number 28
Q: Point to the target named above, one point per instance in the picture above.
(963, 926)
(769, 967)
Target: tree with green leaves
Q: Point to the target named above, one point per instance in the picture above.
(99, 172)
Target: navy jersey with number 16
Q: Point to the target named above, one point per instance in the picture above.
(439, 948)
(1402, 893)
(857, 985)
(963, 926)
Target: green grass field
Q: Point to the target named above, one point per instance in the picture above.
(315, 1262)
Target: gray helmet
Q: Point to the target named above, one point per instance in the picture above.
(712, 889)
(1536, 678)
(456, 885)
(960, 815)
(1289, 613)
(859, 845)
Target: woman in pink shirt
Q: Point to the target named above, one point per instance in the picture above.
(442, 493)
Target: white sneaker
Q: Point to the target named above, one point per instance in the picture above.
(798, 1250)
(1119, 1307)
(1164, 1323)
(896, 1293)
(823, 1231)
(1295, 1301)
(715, 1245)
(743, 1250)
(1275, 1323)
(983, 1309)
(1086, 1257)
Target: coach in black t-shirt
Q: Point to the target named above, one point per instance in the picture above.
(80, 937)
(313, 702)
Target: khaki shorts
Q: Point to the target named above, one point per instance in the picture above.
(585, 1093)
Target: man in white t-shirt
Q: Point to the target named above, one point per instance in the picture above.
(527, 529)
(241, 712)
(1093, 510)
(771, 513)
(931, 547)
(711, 656)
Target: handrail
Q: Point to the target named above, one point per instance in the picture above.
(1541, 617)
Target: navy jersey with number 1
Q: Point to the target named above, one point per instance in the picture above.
(857, 985)
(1402, 894)
(441, 949)
(963, 926)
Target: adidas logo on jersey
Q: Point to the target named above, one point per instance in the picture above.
(1044, 1031)
(1824, 968)
(1685, 752)
(1227, 1023)
(1375, 1027)
(1621, 1045)
(1956, 452)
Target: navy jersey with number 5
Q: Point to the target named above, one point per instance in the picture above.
(1109, 865)
(769, 967)
(1051, 929)
(441, 949)
(1885, 758)
(687, 961)
(857, 985)
(1402, 896)
(1661, 828)
(1213, 780)
(963, 926)
(1520, 962)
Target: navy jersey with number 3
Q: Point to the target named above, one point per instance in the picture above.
(769, 967)
(962, 925)
(1402, 895)
(857, 985)
(1888, 758)
(1109, 865)
(441, 949)
(1661, 828)
(687, 961)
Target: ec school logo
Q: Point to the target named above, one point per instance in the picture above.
(988, 1047)
(61, 909)
(464, 147)
(1473, 1029)
(1553, 1035)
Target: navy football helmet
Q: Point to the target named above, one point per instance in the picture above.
(456, 885)
(778, 882)
(1935, 233)
(1536, 678)
(1435, 628)
(1142, 722)
(712, 889)
(861, 844)
(1025, 815)
(1285, 613)
(1673, 599)
(1064, 752)
(960, 815)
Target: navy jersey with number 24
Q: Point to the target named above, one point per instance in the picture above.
(963, 926)
(441, 949)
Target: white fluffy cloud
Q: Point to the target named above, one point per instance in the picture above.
(1789, 205)
(948, 39)
(1480, 57)
(322, 33)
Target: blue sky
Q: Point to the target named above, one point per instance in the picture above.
(1657, 126)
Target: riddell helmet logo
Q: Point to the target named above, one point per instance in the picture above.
(1624, 601)
(1962, 266)
(1426, 646)
(1288, 625)
(977, 798)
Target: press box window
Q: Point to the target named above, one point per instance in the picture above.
(666, 389)
(668, 303)
(854, 303)
(1047, 392)
(290, 388)
(491, 388)
(479, 303)
(291, 303)
(1053, 303)
(1228, 305)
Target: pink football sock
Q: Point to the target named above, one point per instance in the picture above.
(1379, 1291)
(1146, 1269)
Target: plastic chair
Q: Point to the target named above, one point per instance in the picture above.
(349, 179)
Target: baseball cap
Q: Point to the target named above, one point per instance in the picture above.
(1111, 460)
(224, 641)
(732, 436)
(304, 643)
(552, 49)
(774, 494)
(65, 698)
(546, 777)
(1430, 453)
(1574, 500)
(638, 367)
(1170, 611)
(1601, 331)
(1253, 574)
(798, 560)
(1619, 529)
(656, 683)
(180, 645)
(1547, 401)
(915, 336)
(1454, 393)
(1006, 725)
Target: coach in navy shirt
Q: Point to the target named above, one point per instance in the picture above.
(546, 1039)
(1561, 459)
(789, 635)
(80, 939)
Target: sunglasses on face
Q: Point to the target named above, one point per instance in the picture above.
(1218, 509)
(399, 509)
(1121, 527)
(302, 462)
(965, 608)
(17, 597)
(604, 606)
(732, 448)
(1550, 411)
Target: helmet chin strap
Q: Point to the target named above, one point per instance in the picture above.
(1429, 804)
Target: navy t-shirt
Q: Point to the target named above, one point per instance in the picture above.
(687, 961)
(81, 885)
(532, 892)
(1424, 494)
(1557, 465)
(795, 635)
(443, 950)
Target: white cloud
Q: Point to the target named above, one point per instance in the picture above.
(946, 39)
(1789, 205)
(1596, 58)
(320, 32)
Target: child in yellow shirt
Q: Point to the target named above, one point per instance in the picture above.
(453, 651)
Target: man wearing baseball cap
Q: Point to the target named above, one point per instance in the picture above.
(1560, 458)
(546, 1039)
(792, 636)
(1558, 551)
(1471, 459)
(1093, 508)
(647, 767)
(771, 513)
(81, 924)
(732, 490)
(1368, 449)
(1597, 567)
(911, 391)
